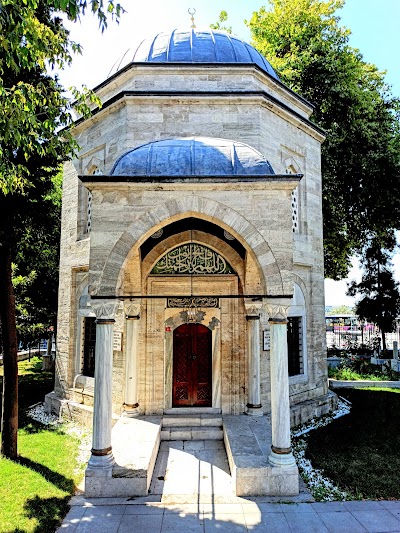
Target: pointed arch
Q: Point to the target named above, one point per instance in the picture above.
(109, 280)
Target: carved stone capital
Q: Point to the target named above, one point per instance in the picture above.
(214, 323)
(104, 309)
(253, 308)
(132, 309)
(277, 308)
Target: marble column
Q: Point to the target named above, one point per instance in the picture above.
(132, 317)
(281, 451)
(253, 407)
(102, 458)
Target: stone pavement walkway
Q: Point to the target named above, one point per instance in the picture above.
(119, 515)
(191, 492)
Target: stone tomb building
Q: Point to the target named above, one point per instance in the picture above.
(191, 270)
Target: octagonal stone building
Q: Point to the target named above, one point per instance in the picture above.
(191, 268)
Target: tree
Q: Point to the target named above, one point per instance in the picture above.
(220, 24)
(340, 310)
(380, 296)
(35, 269)
(33, 109)
(304, 42)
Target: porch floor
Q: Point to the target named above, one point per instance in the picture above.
(192, 471)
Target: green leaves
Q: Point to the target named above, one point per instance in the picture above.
(30, 115)
(223, 17)
(33, 105)
(304, 42)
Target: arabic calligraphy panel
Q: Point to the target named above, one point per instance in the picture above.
(192, 258)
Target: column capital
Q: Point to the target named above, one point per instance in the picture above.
(253, 309)
(277, 308)
(104, 309)
(132, 309)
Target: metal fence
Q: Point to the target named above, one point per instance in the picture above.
(349, 332)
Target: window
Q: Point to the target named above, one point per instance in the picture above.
(89, 346)
(292, 168)
(295, 210)
(295, 345)
(89, 212)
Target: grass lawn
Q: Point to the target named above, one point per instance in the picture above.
(33, 382)
(360, 452)
(34, 491)
(369, 374)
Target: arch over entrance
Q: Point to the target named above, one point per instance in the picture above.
(110, 278)
(192, 366)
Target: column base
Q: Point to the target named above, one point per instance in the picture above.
(281, 459)
(101, 462)
(254, 409)
(131, 411)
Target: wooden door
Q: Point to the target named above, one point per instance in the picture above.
(192, 368)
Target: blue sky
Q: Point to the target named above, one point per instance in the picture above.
(374, 25)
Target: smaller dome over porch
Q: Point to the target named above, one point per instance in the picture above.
(192, 156)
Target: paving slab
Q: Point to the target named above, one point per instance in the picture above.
(297, 508)
(271, 523)
(378, 521)
(144, 509)
(140, 524)
(391, 505)
(224, 524)
(363, 505)
(341, 522)
(260, 507)
(306, 523)
(98, 523)
(326, 507)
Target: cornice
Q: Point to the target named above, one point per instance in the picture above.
(239, 96)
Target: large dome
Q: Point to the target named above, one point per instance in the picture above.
(192, 156)
(197, 46)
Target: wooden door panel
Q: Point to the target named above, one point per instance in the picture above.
(192, 361)
(202, 367)
(182, 367)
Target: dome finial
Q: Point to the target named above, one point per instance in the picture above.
(192, 13)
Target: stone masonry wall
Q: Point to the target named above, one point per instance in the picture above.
(120, 210)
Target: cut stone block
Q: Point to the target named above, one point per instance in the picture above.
(248, 444)
(135, 444)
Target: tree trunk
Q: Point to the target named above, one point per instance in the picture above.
(49, 343)
(383, 340)
(9, 419)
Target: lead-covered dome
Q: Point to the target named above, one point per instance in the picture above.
(192, 156)
(197, 46)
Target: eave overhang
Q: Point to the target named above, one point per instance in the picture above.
(189, 179)
(200, 66)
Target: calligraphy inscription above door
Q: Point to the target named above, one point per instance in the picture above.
(194, 259)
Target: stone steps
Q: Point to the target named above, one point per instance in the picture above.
(193, 425)
(192, 411)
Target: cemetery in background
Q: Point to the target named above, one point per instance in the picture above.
(347, 332)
